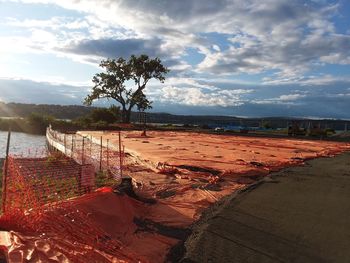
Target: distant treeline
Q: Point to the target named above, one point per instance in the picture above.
(35, 124)
(224, 121)
(57, 111)
(82, 117)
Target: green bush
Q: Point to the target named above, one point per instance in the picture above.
(109, 115)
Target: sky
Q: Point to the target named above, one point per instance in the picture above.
(226, 57)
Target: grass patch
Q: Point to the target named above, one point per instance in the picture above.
(104, 179)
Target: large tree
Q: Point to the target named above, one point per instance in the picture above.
(114, 83)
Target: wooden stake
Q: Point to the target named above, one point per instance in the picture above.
(101, 153)
(4, 176)
(82, 153)
(107, 154)
(120, 156)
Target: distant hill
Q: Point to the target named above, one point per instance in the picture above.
(224, 121)
(186, 119)
(76, 111)
(58, 111)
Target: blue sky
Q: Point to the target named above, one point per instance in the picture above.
(227, 57)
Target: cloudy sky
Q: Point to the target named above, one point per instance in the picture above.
(227, 57)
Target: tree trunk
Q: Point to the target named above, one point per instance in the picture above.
(126, 113)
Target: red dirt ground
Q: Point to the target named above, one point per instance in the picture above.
(220, 152)
(185, 173)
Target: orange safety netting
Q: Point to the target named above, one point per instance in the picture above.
(183, 172)
(32, 183)
(43, 203)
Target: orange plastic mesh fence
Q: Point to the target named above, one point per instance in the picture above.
(41, 196)
(41, 201)
(34, 182)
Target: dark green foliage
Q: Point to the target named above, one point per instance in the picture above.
(330, 131)
(110, 115)
(57, 111)
(266, 124)
(34, 123)
(143, 103)
(39, 122)
(84, 121)
(33, 118)
(205, 127)
(104, 179)
(16, 124)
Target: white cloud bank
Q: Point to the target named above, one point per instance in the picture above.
(286, 36)
(197, 97)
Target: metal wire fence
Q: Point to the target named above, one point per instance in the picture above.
(89, 150)
(41, 195)
(76, 165)
(41, 199)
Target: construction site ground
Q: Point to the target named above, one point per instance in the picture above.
(188, 172)
(177, 176)
(300, 215)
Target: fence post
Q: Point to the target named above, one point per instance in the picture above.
(82, 152)
(72, 147)
(123, 156)
(120, 156)
(107, 153)
(101, 153)
(145, 124)
(91, 146)
(65, 144)
(4, 176)
(80, 176)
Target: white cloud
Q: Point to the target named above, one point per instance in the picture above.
(336, 58)
(216, 48)
(189, 82)
(312, 80)
(280, 35)
(286, 37)
(197, 97)
(291, 99)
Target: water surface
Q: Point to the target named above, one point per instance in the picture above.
(22, 144)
